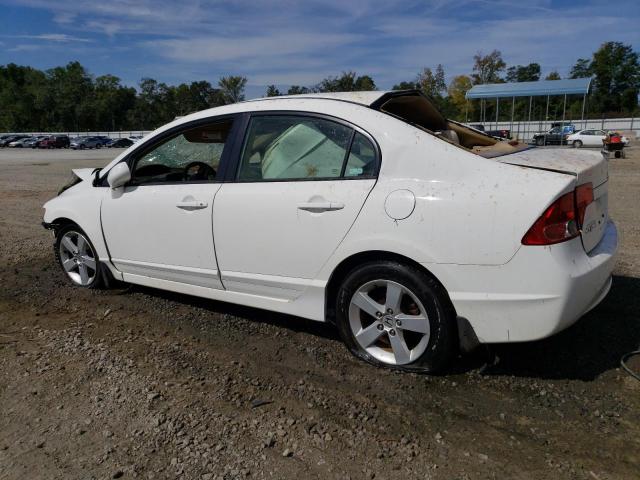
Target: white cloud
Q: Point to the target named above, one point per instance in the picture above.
(213, 49)
(53, 37)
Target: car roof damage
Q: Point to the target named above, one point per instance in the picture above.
(415, 108)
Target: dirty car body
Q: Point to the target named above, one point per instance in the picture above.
(410, 232)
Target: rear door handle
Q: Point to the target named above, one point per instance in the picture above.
(320, 206)
(192, 205)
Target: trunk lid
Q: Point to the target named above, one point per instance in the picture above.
(587, 167)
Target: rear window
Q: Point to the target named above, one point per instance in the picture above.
(417, 110)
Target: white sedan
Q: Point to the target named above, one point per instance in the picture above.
(589, 138)
(411, 233)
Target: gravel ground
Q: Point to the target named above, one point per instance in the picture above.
(136, 382)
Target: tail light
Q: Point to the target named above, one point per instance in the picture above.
(562, 220)
(584, 196)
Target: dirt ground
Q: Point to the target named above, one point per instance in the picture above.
(136, 382)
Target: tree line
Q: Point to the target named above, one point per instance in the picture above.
(69, 98)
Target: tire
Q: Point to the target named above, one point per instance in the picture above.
(78, 259)
(420, 337)
(577, 144)
(540, 141)
(98, 145)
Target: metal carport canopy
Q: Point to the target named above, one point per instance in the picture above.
(573, 86)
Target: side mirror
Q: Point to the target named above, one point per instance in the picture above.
(119, 175)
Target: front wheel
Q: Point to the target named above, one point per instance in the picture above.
(577, 144)
(394, 315)
(77, 257)
(540, 141)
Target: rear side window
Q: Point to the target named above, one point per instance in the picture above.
(290, 147)
(362, 158)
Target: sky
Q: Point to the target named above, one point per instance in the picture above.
(287, 42)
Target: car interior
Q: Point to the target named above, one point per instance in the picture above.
(290, 147)
(187, 157)
(416, 109)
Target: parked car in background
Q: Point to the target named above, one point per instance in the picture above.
(367, 210)
(104, 140)
(33, 141)
(494, 133)
(4, 137)
(11, 138)
(19, 143)
(557, 135)
(590, 138)
(54, 141)
(120, 143)
(81, 143)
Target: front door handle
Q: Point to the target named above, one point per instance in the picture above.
(320, 206)
(192, 205)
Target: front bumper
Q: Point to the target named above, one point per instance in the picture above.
(541, 291)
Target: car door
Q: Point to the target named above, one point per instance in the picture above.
(160, 224)
(597, 136)
(300, 183)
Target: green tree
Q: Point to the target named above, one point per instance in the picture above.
(24, 98)
(457, 90)
(347, 82)
(111, 102)
(523, 73)
(405, 86)
(553, 76)
(582, 69)
(297, 90)
(616, 70)
(232, 88)
(71, 89)
(272, 91)
(487, 68)
(432, 84)
(365, 83)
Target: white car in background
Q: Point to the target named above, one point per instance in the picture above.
(411, 233)
(589, 138)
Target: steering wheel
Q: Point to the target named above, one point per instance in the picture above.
(202, 172)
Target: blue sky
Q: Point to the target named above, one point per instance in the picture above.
(300, 42)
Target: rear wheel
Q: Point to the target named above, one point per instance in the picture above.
(577, 144)
(78, 258)
(540, 141)
(394, 315)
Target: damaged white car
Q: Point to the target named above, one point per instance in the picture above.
(411, 233)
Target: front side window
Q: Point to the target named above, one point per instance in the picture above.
(190, 156)
(292, 147)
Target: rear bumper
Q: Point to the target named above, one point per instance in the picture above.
(541, 291)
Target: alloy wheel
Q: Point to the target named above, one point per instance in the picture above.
(389, 322)
(78, 258)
